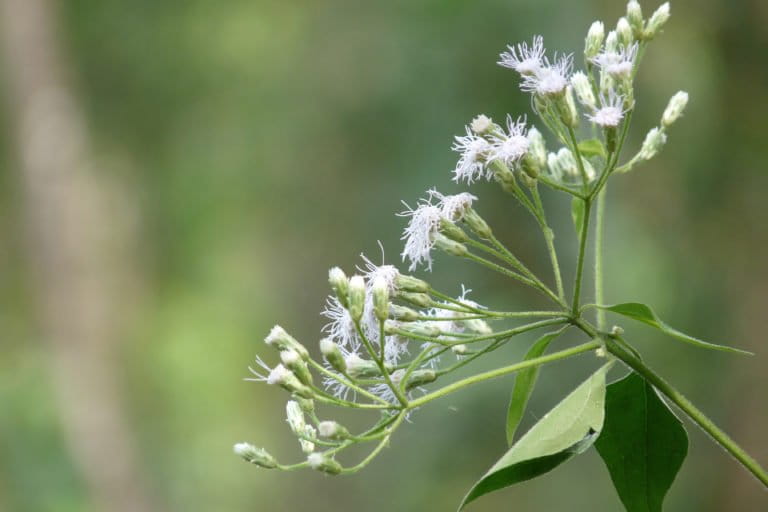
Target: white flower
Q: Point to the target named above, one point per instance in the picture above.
(526, 60)
(474, 151)
(654, 141)
(551, 78)
(260, 377)
(453, 207)
(513, 145)
(383, 390)
(674, 109)
(419, 234)
(611, 111)
(341, 328)
(617, 63)
(388, 273)
(481, 124)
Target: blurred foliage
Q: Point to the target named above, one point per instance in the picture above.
(261, 142)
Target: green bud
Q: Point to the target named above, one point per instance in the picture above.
(635, 18)
(339, 283)
(411, 284)
(624, 31)
(657, 21)
(420, 377)
(356, 297)
(594, 40)
(255, 455)
(452, 231)
(323, 463)
(332, 430)
(449, 246)
(333, 355)
(293, 361)
(477, 224)
(357, 367)
(402, 313)
(674, 109)
(380, 292)
(281, 340)
(652, 144)
(416, 328)
(421, 300)
(307, 405)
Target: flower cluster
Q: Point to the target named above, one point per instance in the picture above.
(388, 332)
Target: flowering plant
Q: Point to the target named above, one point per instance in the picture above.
(390, 334)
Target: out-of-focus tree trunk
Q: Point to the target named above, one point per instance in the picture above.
(73, 258)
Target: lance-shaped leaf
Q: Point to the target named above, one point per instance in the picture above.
(642, 443)
(592, 147)
(568, 429)
(524, 383)
(643, 313)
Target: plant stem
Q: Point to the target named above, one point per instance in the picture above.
(380, 363)
(549, 238)
(320, 368)
(481, 377)
(580, 260)
(599, 225)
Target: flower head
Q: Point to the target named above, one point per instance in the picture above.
(474, 150)
(617, 63)
(551, 79)
(611, 111)
(420, 233)
(526, 60)
(453, 207)
(513, 145)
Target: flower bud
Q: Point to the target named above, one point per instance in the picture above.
(616, 331)
(357, 367)
(459, 350)
(537, 147)
(657, 21)
(339, 283)
(295, 417)
(421, 300)
(594, 40)
(333, 355)
(674, 109)
(635, 18)
(566, 107)
(482, 124)
(624, 31)
(356, 297)
(293, 361)
(478, 325)
(403, 314)
(419, 378)
(255, 455)
(583, 90)
(652, 144)
(418, 328)
(286, 379)
(308, 446)
(332, 430)
(380, 292)
(449, 246)
(281, 340)
(307, 405)
(452, 231)
(411, 284)
(322, 462)
(477, 224)
(612, 42)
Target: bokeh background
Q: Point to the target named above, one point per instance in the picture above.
(176, 177)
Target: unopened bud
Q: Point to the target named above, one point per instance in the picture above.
(295, 417)
(293, 361)
(657, 21)
(537, 147)
(594, 40)
(321, 462)
(612, 42)
(285, 378)
(477, 224)
(339, 284)
(566, 107)
(307, 405)
(449, 246)
(583, 90)
(624, 31)
(308, 446)
(421, 300)
(459, 350)
(255, 455)
(674, 109)
(411, 284)
(380, 291)
(281, 340)
(416, 328)
(481, 124)
(652, 144)
(357, 367)
(635, 18)
(601, 352)
(356, 297)
(616, 331)
(403, 314)
(452, 231)
(478, 325)
(333, 355)
(419, 378)
(332, 430)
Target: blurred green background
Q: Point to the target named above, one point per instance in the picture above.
(234, 151)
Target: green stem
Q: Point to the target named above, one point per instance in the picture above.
(599, 224)
(481, 377)
(580, 260)
(382, 444)
(320, 368)
(380, 363)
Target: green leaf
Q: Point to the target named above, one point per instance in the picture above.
(524, 383)
(643, 444)
(592, 147)
(577, 214)
(568, 429)
(643, 313)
